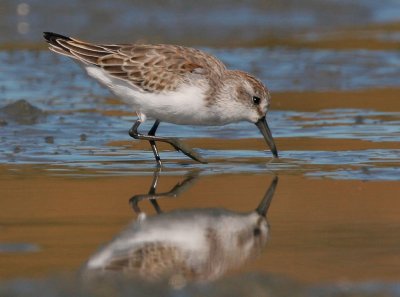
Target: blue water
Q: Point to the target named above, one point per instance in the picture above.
(76, 132)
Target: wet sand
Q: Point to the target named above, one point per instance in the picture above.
(385, 99)
(332, 66)
(322, 230)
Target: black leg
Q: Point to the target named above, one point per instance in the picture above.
(152, 132)
(133, 132)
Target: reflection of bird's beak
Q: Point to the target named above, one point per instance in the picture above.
(263, 207)
(266, 132)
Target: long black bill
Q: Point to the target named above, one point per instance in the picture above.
(263, 207)
(266, 132)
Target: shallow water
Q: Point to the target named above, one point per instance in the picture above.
(85, 127)
(68, 166)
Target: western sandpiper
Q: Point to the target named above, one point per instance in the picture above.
(174, 84)
(188, 245)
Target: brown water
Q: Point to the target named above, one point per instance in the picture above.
(68, 167)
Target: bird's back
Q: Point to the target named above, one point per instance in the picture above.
(152, 68)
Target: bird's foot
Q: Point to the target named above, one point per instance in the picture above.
(180, 146)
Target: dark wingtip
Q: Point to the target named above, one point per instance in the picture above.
(52, 37)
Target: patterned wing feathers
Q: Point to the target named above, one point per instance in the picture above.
(152, 68)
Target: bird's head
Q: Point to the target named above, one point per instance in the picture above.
(252, 100)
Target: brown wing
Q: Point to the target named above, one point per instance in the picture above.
(160, 67)
(153, 68)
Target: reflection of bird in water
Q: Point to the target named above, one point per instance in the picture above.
(188, 245)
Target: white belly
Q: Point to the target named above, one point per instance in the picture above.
(187, 105)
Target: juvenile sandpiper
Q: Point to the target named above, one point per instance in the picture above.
(173, 84)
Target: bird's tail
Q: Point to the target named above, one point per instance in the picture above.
(53, 39)
(85, 52)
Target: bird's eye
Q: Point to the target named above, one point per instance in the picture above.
(256, 100)
(256, 231)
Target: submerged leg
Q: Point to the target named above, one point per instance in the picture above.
(133, 132)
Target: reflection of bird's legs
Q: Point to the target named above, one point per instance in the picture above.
(154, 182)
(153, 196)
(157, 207)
